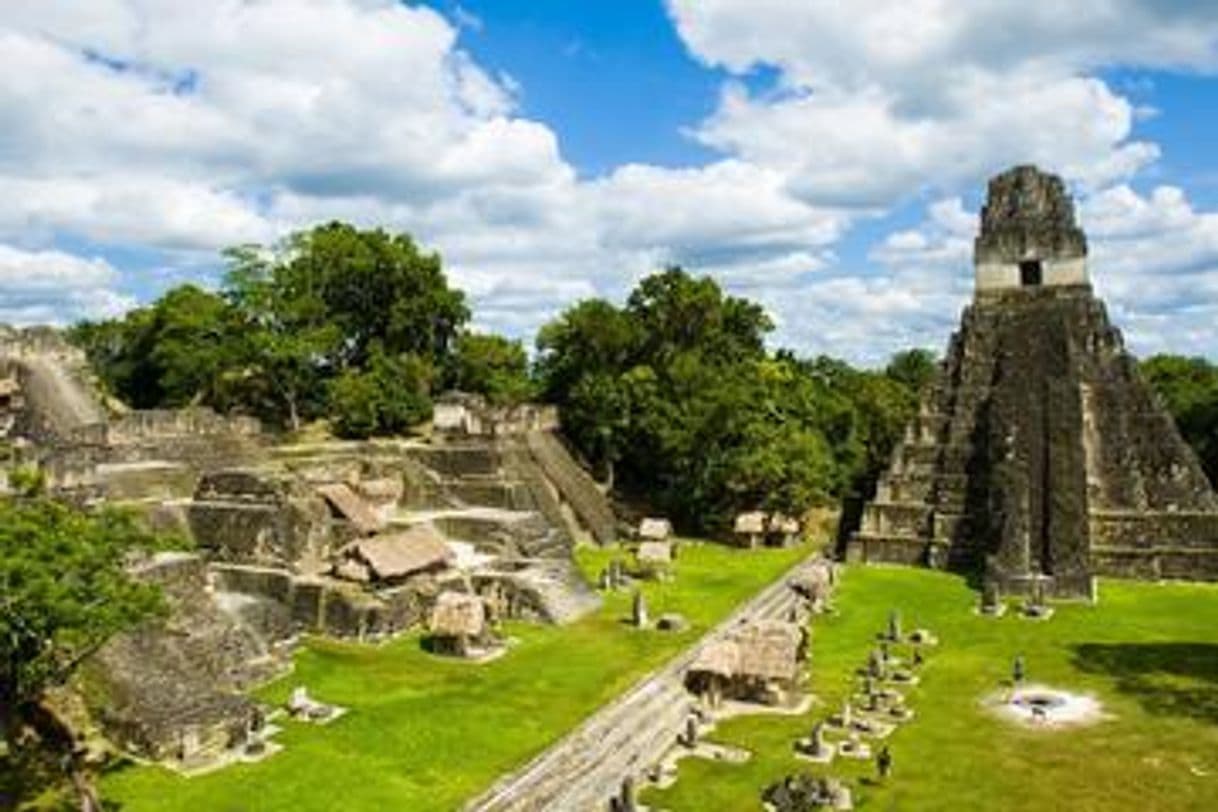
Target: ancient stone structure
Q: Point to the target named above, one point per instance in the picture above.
(458, 625)
(1039, 456)
(173, 691)
(359, 540)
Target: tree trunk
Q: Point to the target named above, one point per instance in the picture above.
(293, 414)
(82, 783)
(56, 737)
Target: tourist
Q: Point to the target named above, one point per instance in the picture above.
(883, 762)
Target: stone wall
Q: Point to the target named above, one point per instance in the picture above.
(328, 606)
(250, 517)
(172, 689)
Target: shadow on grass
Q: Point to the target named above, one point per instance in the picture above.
(1174, 679)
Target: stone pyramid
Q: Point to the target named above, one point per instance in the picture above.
(1039, 457)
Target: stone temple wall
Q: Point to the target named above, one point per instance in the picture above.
(1039, 456)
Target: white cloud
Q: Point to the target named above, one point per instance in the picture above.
(1153, 258)
(182, 128)
(41, 287)
(878, 100)
(901, 43)
(191, 127)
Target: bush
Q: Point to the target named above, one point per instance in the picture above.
(390, 397)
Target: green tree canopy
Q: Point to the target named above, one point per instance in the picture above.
(173, 353)
(1189, 389)
(291, 321)
(491, 365)
(388, 396)
(676, 395)
(914, 368)
(64, 592)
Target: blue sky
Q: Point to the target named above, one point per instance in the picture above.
(824, 160)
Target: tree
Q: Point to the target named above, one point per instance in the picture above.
(198, 340)
(290, 338)
(389, 397)
(491, 365)
(120, 352)
(64, 592)
(375, 288)
(677, 312)
(676, 392)
(913, 368)
(290, 320)
(1189, 389)
(177, 352)
(592, 337)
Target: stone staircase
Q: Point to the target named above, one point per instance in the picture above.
(919, 509)
(575, 485)
(558, 589)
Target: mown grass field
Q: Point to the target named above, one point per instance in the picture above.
(1148, 651)
(425, 733)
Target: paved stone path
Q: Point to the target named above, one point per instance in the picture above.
(583, 770)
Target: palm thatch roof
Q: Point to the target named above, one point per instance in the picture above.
(763, 649)
(769, 649)
(653, 529)
(751, 523)
(351, 507)
(388, 557)
(720, 658)
(458, 615)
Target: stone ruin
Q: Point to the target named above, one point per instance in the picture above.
(1039, 457)
(350, 539)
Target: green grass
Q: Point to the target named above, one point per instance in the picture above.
(1149, 652)
(426, 733)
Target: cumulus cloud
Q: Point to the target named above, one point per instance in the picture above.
(876, 103)
(52, 287)
(878, 100)
(1153, 258)
(182, 128)
(189, 128)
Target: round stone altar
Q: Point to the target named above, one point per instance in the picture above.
(1044, 707)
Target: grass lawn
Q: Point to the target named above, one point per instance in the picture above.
(427, 733)
(1148, 651)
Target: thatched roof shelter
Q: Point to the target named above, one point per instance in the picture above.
(653, 529)
(655, 552)
(720, 658)
(752, 523)
(390, 557)
(458, 615)
(769, 649)
(351, 507)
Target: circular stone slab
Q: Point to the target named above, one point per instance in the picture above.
(1044, 707)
